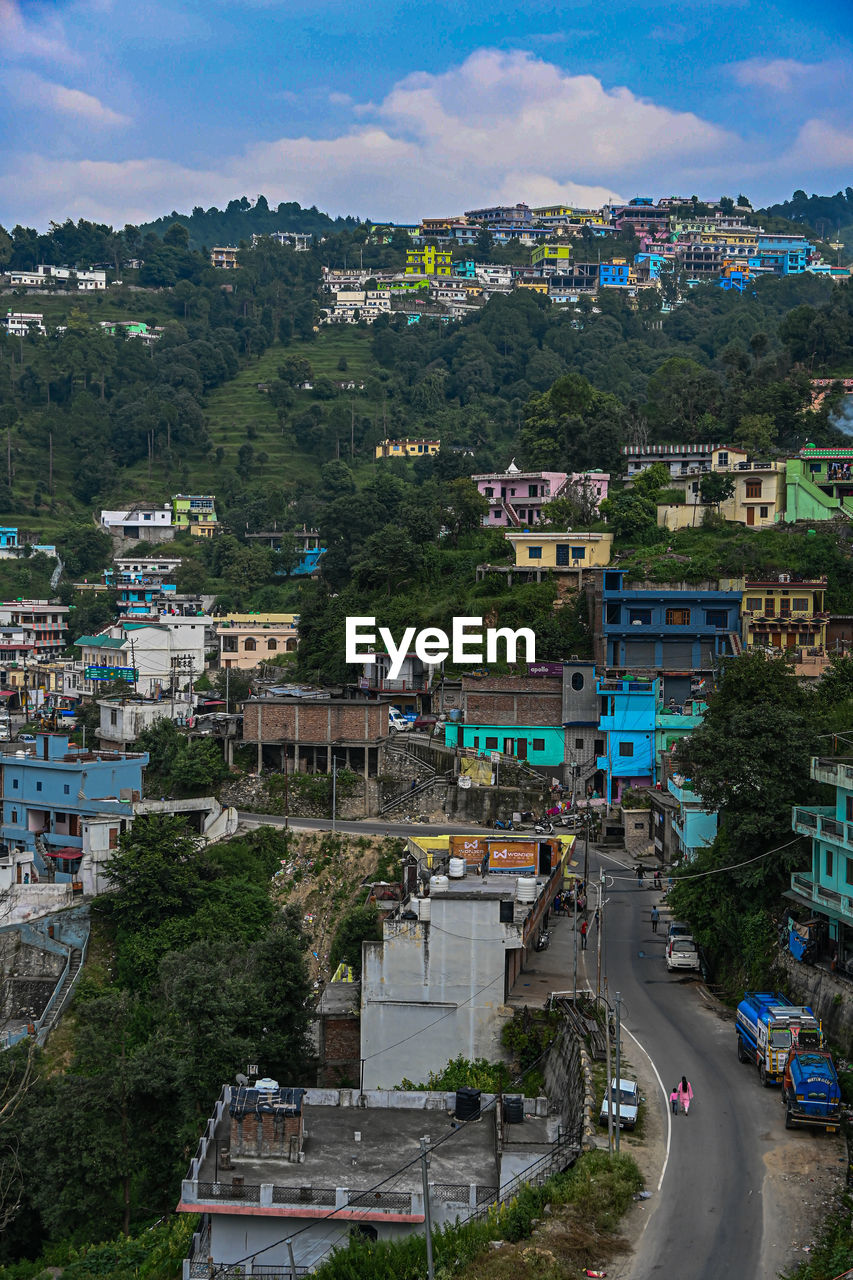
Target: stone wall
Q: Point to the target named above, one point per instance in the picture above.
(252, 794)
(637, 838)
(830, 995)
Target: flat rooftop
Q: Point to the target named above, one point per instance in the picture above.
(390, 1139)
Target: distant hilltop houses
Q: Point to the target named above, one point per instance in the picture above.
(678, 241)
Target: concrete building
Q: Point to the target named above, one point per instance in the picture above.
(627, 721)
(22, 324)
(141, 522)
(785, 613)
(124, 719)
(306, 734)
(144, 587)
(674, 721)
(516, 497)
(248, 639)
(694, 826)
(224, 257)
(40, 623)
(435, 986)
(560, 552)
(154, 659)
(407, 448)
(195, 512)
(819, 483)
(585, 742)
(428, 261)
(682, 459)
(826, 888)
(758, 500)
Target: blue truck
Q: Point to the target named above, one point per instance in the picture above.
(810, 1090)
(767, 1026)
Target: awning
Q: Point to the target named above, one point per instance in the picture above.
(63, 853)
(8, 693)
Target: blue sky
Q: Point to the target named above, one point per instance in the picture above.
(120, 110)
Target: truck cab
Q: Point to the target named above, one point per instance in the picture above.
(811, 1093)
(768, 1026)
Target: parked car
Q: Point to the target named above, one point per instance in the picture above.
(397, 721)
(629, 1104)
(678, 929)
(26, 738)
(682, 953)
(425, 723)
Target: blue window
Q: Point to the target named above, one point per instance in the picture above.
(66, 790)
(534, 553)
(578, 553)
(38, 786)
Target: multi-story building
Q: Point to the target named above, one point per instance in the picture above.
(153, 659)
(141, 522)
(144, 587)
(545, 257)
(517, 497)
(301, 241)
(224, 257)
(680, 632)
(785, 612)
(757, 500)
(674, 721)
(248, 639)
(585, 742)
(196, 512)
(826, 889)
(309, 733)
(428, 261)
(682, 459)
(500, 213)
(627, 712)
(694, 827)
(517, 716)
(617, 274)
(407, 448)
(819, 483)
(21, 324)
(68, 806)
(42, 624)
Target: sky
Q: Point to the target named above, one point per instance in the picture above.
(122, 110)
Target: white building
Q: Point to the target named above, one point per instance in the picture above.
(86, 281)
(40, 623)
(142, 522)
(20, 324)
(165, 656)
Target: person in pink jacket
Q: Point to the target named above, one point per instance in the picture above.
(685, 1094)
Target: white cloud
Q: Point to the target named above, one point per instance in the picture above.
(43, 39)
(499, 127)
(781, 74)
(47, 96)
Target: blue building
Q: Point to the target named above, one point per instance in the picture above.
(8, 538)
(614, 274)
(694, 827)
(826, 889)
(627, 711)
(53, 796)
(680, 633)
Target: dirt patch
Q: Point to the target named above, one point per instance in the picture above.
(804, 1175)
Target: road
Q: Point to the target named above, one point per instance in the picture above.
(362, 827)
(723, 1207)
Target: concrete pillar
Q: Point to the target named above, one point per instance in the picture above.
(260, 755)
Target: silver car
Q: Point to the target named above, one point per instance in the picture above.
(629, 1104)
(682, 953)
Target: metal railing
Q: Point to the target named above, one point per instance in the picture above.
(400, 1200)
(304, 1195)
(227, 1191)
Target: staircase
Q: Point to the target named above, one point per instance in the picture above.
(61, 994)
(410, 794)
(509, 512)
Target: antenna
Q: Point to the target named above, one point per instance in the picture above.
(241, 1079)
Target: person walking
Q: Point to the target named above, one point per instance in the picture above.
(657, 879)
(584, 930)
(673, 1099)
(640, 876)
(655, 918)
(595, 918)
(685, 1094)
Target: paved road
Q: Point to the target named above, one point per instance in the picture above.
(363, 827)
(714, 1214)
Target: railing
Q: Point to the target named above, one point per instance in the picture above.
(400, 1200)
(304, 1195)
(442, 1193)
(227, 1191)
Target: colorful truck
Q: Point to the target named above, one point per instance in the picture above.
(767, 1026)
(810, 1090)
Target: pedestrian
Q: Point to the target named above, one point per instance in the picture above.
(685, 1094)
(595, 918)
(414, 784)
(657, 878)
(557, 905)
(640, 876)
(584, 929)
(673, 1099)
(655, 919)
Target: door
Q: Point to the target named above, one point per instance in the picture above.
(750, 515)
(521, 749)
(508, 744)
(562, 555)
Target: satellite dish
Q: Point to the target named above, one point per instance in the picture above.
(241, 1079)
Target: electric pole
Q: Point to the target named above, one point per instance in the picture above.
(427, 1211)
(618, 1068)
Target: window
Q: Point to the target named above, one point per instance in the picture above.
(828, 863)
(14, 784)
(770, 607)
(562, 555)
(250, 644)
(626, 748)
(538, 744)
(849, 872)
(678, 617)
(534, 553)
(753, 604)
(14, 816)
(578, 553)
(850, 808)
(476, 744)
(272, 644)
(598, 747)
(577, 681)
(38, 786)
(532, 491)
(640, 617)
(722, 458)
(716, 618)
(753, 488)
(66, 790)
(578, 744)
(784, 607)
(764, 512)
(491, 744)
(113, 719)
(803, 638)
(489, 491)
(800, 604)
(614, 614)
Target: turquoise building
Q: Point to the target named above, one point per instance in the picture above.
(627, 716)
(536, 743)
(826, 888)
(694, 826)
(674, 722)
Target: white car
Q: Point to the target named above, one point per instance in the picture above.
(397, 721)
(629, 1104)
(682, 953)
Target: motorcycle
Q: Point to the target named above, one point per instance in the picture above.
(542, 827)
(504, 826)
(543, 941)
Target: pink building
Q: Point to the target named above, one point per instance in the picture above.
(517, 497)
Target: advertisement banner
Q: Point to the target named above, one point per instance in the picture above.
(472, 848)
(545, 668)
(478, 770)
(514, 857)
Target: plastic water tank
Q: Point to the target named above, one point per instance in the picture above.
(467, 1104)
(454, 716)
(456, 868)
(514, 1108)
(526, 889)
(423, 908)
(438, 884)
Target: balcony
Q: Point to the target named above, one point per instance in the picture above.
(821, 821)
(822, 896)
(834, 771)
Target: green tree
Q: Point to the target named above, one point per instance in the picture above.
(631, 515)
(362, 924)
(466, 507)
(716, 488)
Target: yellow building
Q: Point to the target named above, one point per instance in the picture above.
(566, 213)
(428, 261)
(248, 639)
(538, 286)
(561, 551)
(407, 448)
(779, 613)
(224, 257)
(441, 226)
(758, 500)
(745, 236)
(551, 255)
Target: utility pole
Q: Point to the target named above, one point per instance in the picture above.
(588, 818)
(427, 1210)
(608, 1091)
(575, 967)
(292, 1263)
(618, 1067)
(227, 690)
(602, 884)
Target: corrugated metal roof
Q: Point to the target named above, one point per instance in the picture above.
(100, 642)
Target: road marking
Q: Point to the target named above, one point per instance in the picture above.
(665, 1099)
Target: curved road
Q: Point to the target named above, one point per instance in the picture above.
(714, 1214)
(363, 826)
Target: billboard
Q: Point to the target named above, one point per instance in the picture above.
(112, 673)
(545, 668)
(514, 857)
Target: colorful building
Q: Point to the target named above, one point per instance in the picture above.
(248, 639)
(544, 256)
(693, 826)
(428, 261)
(407, 448)
(196, 512)
(819, 483)
(516, 497)
(560, 551)
(535, 743)
(785, 613)
(627, 719)
(674, 721)
(757, 501)
(826, 889)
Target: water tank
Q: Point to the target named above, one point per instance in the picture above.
(467, 1104)
(456, 868)
(514, 1108)
(423, 908)
(526, 889)
(454, 716)
(438, 884)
